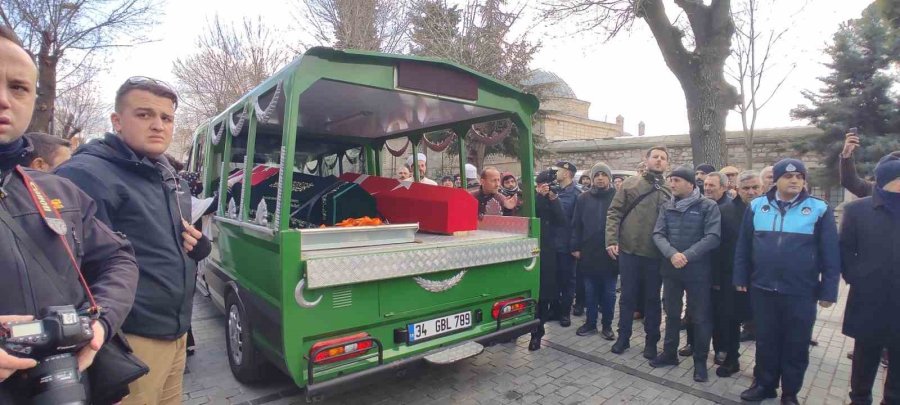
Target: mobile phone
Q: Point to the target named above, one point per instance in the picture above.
(852, 131)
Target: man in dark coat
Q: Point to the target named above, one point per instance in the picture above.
(549, 210)
(715, 185)
(565, 263)
(687, 230)
(779, 228)
(35, 265)
(870, 250)
(730, 306)
(139, 194)
(596, 267)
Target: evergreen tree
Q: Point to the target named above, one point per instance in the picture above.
(857, 93)
(478, 36)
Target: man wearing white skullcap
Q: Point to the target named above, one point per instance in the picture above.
(421, 164)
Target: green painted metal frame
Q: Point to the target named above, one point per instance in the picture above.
(365, 69)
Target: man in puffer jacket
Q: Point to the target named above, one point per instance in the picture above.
(788, 255)
(687, 229)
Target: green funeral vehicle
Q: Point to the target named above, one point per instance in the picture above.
(336, 306)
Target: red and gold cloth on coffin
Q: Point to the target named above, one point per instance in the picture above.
(437, 209)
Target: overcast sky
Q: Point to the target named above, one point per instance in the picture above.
(624, 76)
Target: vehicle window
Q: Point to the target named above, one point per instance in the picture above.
(235, 172)
(265, 178)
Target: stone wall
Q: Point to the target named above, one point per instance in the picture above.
(770, 145)
(555, 126)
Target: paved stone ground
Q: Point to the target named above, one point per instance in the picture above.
(568, 370)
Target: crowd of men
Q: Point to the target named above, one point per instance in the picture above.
(737, 245)
(736, 248)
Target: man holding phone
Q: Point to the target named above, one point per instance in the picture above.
(849, 178)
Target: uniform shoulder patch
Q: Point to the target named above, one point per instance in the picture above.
(57, 203)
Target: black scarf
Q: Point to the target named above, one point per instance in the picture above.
(12, 154)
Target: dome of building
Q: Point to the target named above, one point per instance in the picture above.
(548, 84)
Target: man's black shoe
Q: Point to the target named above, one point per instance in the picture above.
(686, 351)
(534, 344)
(607, 333)
(664, 359)
(650, 351)
(728, 370)
(586, 330)
(565, 321)
(719, 359)
(620, 346)
(700, 374)
(578, 311)
(747, 336)
(789, 400)
(757, 394)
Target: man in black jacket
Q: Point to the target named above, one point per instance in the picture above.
(549, 210)
(730, 306)
(597, 268)
(870, 253)
(106, 260)
(686, 232)
(139, 194)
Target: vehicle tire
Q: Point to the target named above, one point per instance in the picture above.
(246, 362)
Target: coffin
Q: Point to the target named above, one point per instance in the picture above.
(442, 210)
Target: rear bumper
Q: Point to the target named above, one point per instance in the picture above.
(357, 379)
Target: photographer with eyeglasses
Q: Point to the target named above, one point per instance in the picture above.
(139, 194)
(68, 280)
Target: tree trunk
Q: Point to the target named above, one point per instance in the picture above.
(475, 151)
(46, 89)
(708, 102)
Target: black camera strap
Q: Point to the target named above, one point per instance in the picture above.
(58, 225)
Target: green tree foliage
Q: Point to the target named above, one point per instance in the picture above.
(860, 91)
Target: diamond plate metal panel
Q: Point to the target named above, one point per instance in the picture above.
(496, 223)
(352, 269)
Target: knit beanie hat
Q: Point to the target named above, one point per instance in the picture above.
(600, 167)
(684, 172)
(409, 160)
(706, 168)
(887, 170)
(787, 165)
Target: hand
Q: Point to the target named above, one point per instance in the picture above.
(851, 142)
(190, 235)
(825, 304)
(9, 364)
(552, 195)
(740, 288)
(717, 287)
(613, 252)
(679, 260)
(576, 255)
(86, 355)
(543, 189)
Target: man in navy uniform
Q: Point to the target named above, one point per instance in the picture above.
(788, 256)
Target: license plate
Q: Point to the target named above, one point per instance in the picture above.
(439, 326)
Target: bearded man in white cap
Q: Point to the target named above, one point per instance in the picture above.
(420, 158)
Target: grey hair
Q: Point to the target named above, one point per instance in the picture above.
(747, 175)
(723, 179)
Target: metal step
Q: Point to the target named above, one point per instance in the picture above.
(455, 353)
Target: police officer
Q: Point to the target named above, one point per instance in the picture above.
(788, 257)
(105, 259)
(686, 232)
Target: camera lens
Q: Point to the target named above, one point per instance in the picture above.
(57, 381)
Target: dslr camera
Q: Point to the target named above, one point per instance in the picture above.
(52, 341)
(554, 185)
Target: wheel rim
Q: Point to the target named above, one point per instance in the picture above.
(235, 338)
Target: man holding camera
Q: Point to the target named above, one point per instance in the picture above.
(47, 227)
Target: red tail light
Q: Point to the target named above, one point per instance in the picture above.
(341, 348)
(508, 310)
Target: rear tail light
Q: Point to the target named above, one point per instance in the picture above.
(341, 348)
(508, 310)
